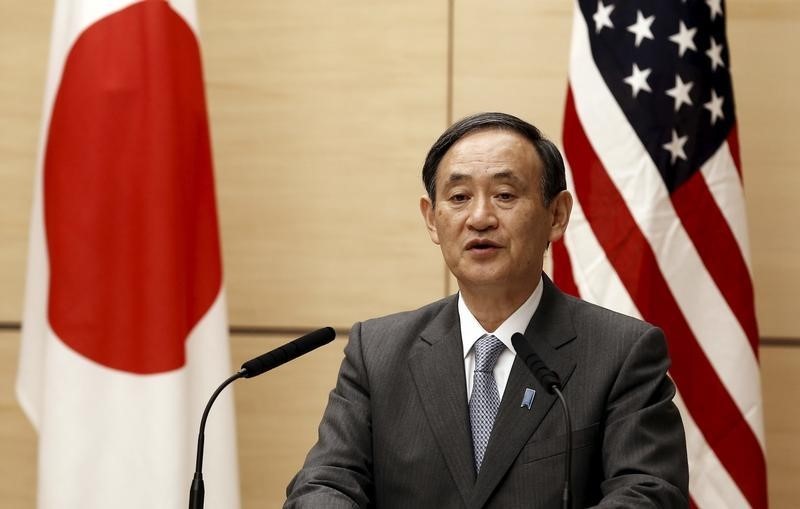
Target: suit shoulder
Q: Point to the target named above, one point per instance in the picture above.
(406, 322)
(615, 337)
(388, 340)
(585, 314)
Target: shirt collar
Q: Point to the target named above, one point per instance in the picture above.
(472, 330)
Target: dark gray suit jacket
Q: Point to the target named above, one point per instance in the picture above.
(396, 431)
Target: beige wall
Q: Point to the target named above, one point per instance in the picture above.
(321, 114)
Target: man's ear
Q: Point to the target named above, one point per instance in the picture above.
(429, 215)
(560, 208)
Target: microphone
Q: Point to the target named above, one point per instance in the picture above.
(552, 383)
(249, 369)
(288, 352)
(535, 364)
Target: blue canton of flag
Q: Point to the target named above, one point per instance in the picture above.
(667, 65)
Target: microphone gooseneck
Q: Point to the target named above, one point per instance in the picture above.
(251, 368)
(552, 383)
(197, 490)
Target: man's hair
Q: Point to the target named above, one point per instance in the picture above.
(553, 179)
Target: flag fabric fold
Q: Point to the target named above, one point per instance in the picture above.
(124, 332)
(658, 228)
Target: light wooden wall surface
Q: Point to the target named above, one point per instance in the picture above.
(24, 43)
(17, 438)
(272, 447)
(765, 44)
(321, 115)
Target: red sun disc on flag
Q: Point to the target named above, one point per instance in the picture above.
(129, 206)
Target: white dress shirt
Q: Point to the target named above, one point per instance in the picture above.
(472, 330)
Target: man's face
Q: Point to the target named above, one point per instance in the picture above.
(489, 217)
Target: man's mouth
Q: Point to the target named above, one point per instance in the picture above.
(481, 245)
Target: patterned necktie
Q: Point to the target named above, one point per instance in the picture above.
(485, 399)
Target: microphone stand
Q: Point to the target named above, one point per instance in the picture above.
(565, 502)
(251, 368)
(552, 383)
(198, 490)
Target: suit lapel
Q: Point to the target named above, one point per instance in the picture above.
(437, 368)
(550, 328)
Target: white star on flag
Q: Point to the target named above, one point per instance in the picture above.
(716, 8)
(680, 92)
(715, 54)
(602, 18)
(638, 80)
(642, 27)
(715, 107)
(675, 146)
(684, 38)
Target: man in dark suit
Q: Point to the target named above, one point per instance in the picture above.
(432, 407)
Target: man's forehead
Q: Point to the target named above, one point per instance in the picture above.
(499, 153)
(491, 139)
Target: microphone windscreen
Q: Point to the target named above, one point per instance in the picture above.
(547, 377)
(289, 351)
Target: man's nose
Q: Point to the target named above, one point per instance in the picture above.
(482, 214)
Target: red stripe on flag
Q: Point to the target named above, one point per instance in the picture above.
(629, 252)
(733, 145)
(562, 269)
(714, 241)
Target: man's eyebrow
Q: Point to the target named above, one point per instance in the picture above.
(457, 177)
(507, 175)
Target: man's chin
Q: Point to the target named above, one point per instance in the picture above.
(487, 281)
(481, 279)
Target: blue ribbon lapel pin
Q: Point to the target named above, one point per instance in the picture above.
(527, 398)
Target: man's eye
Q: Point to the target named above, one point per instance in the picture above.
(458, 197)
(505, 196)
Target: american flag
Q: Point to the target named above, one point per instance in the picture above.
(658, 228)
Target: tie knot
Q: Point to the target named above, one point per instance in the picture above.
(487, 351)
